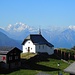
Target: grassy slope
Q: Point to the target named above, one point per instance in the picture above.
(49, 67)
(27, 55)
(53, 64)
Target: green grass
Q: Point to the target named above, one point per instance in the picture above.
(53, 64)
(24, 72)
(50, 67)
(27, 55)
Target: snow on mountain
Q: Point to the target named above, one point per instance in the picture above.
(65, 39)
(18, 27)
(58, 36)
(72, 27)
(19, 30)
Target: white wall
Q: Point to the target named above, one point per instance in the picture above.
(44, 48)
(30, 44)
(37, 48)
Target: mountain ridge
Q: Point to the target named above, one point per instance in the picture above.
(64, 38)
(6, 41)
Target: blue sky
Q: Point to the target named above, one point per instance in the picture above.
(37, 13)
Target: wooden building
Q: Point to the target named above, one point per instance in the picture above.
(9, 57)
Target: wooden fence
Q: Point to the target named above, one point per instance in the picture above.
(64, 55)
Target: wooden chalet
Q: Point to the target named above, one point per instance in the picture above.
(9, 57)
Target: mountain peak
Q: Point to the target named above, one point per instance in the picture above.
(72, 27)
(17, 27)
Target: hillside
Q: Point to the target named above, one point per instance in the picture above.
(65, 39)
(6, 41)
(37, 64)
(33, 64)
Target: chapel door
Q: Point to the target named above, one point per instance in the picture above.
(28, 49)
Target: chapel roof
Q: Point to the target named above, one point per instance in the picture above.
(37, 39)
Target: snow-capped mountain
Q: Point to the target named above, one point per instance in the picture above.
(72, 27)
(58, 36)
(18, 27)
(19, 30)
(66, 39)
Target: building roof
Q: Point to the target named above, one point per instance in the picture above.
(6, 49)
(37, 39)
(70, 69)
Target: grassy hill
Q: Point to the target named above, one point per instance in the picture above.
(35, 63)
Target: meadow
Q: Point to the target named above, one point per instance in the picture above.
(40, 63)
